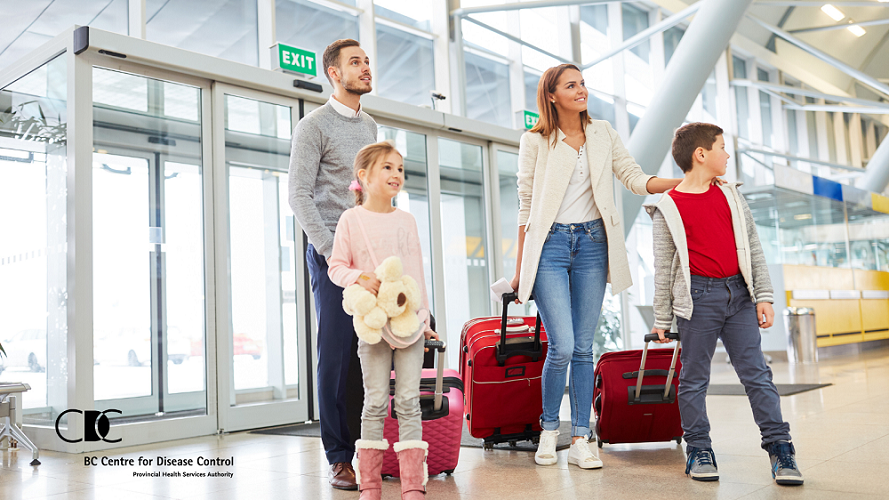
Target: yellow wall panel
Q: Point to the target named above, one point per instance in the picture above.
(833, 316)
(871, 280)
(841, 340)
(875, 314)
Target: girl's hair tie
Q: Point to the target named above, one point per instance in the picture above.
(355, 186)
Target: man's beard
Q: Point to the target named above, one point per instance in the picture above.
(356, 87)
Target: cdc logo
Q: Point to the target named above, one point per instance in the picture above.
(95, 425)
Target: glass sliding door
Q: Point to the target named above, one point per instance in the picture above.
(149, 324)
(260, 337)
(464, 235)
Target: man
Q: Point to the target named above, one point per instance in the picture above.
(323, 150)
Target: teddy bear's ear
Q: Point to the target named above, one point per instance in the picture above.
(389, 270)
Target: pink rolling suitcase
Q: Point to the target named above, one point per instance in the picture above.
(441, 400)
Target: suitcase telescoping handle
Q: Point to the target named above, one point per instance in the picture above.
(439, 376)
(649, 338)
(517, 347)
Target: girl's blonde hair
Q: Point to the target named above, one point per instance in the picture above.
(367, 158)
(549, 117)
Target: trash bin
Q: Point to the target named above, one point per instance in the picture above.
(802, 344)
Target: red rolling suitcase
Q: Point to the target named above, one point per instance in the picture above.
(441, 401)
(501, 362)
(635, 395)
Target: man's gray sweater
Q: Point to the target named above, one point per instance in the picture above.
(322, 153)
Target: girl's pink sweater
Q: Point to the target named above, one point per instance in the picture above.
(394, 233)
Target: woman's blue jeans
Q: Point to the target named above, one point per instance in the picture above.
(568, 290)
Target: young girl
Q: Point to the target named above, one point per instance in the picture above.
(379, 176)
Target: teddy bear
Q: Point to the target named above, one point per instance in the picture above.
(396, 302)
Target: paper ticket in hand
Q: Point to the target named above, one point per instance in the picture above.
(500, 287)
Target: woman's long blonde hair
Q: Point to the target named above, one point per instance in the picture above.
(548, 123)
(366, 159)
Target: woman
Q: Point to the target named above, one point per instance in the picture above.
(571, 242)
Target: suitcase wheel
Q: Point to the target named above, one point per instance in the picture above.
(513, 444)
(599, 381)
(599, 443)
(466, 348)
(488, 446)
(678, 440)
(448, 472)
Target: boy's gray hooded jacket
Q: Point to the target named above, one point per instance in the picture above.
(672, 278)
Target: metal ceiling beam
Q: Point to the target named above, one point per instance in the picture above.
(874, 22)
(876, 175)
(515, 39)
(845, 68)
(850, 168)
(541, 4)
(807, 92)
(835, 3)
(646, 34)
(840, 109)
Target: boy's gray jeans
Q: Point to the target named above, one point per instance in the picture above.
(723, 309)
(376, 363)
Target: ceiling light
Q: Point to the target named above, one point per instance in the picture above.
(833, 12)
(856, 30)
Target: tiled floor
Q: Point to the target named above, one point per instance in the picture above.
(841, 435)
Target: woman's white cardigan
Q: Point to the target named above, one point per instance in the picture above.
(543, 178)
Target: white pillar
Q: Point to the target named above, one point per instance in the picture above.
(697, 53)
(367, 35)
(265, 16)
(855, 140)
(441, 54)
(876, 176)
(136, 18)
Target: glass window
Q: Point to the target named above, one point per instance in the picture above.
(540, 28)
(638, 71)
(507, 169)
(475, 35)
(601, 107)
(487, 90)
(148, 249)
(765, 105)
(405, 70)
(672, 37)
(739, 69)
(531, 82)
(463, 236)
(594, 42)
(312, 26)
(708, 97)
(265, 320)
(219, 28)
(414, 198)
(28, 25)
(33, 249)
(417, 13)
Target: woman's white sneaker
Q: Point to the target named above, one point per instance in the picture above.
(546, 449)
(581, 455)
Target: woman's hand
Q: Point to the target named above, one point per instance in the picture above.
(430, 335)
(514, 283)
(369, 282)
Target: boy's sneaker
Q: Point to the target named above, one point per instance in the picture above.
(546, 450)
(581, 455)
(784, 468)
(701, 464)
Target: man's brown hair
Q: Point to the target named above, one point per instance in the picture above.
(689, 138)
(331, 55)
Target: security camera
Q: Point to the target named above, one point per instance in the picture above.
(438, 95)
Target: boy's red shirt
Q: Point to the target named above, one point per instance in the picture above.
(708, 229)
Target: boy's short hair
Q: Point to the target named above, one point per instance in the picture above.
(331, 55)
(690, 137)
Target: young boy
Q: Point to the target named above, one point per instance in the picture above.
(710, 272)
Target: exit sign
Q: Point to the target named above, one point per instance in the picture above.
(294, 60)
(530, 119)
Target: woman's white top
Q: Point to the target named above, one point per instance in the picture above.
(578, 205)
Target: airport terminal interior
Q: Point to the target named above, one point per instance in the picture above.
(194, 332)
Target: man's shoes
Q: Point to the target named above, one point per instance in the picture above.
(701, 464)
(784, 468)
(341, 476)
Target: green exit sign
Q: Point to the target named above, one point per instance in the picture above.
(530, 119)
(294, 60)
